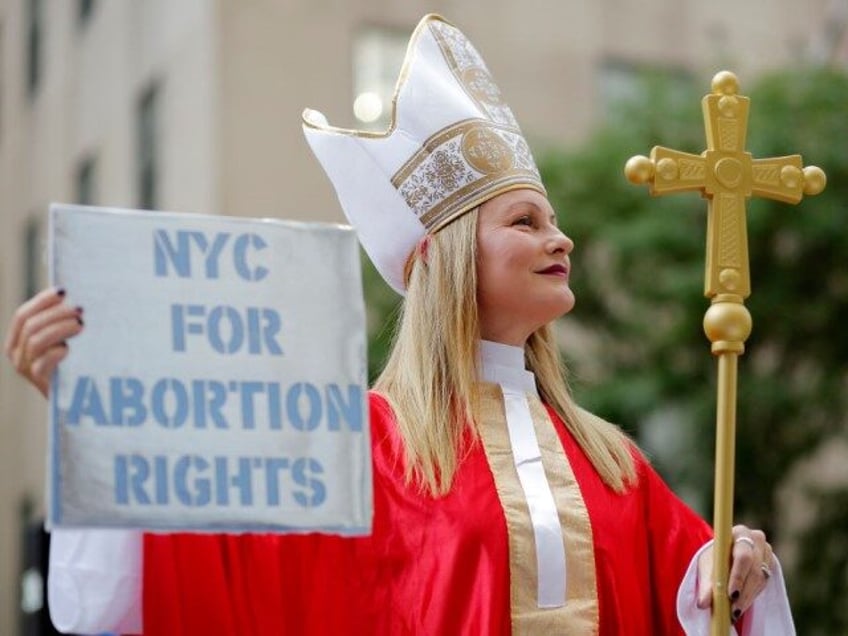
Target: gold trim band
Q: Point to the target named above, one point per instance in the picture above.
(463, 165)
(580, 614)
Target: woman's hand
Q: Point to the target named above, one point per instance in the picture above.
(750, 570)
(37, 338)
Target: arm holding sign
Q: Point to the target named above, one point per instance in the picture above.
(94, 583)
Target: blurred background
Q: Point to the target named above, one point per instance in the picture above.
(195, 106)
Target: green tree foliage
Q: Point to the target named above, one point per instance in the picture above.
(638, 276)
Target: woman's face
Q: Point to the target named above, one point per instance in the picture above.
(522, 266)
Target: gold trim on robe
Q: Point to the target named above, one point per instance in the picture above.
(580, 614)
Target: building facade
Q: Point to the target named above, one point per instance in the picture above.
(195, 106)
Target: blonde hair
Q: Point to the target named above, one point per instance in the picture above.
(430, 378)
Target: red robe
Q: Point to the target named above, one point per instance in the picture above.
(430, 566)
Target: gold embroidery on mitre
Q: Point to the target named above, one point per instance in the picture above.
(471, 72)
(580, 614)
(486, 151)
(463, 165)
(473, 160)
(481, 86)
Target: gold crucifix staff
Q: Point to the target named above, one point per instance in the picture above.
(726, 175)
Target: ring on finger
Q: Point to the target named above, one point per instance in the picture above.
(766, 570)
(747, 540)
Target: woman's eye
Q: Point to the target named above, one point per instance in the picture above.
(524, 220)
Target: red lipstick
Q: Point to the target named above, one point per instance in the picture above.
(557, 270)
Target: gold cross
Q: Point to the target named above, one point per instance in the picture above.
(726, 175)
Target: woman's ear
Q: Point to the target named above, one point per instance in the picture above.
(420, 252)
(423, 247)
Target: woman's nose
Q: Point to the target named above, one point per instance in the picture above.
(559, 242)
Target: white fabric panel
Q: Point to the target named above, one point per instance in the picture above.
(550, 551)
(94, 581)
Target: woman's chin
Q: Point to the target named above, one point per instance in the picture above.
(565, 304)
(555, 309)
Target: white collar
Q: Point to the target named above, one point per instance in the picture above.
(504, 364)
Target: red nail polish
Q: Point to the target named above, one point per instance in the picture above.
(60, 292)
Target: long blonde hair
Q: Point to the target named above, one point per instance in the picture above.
(430, 378)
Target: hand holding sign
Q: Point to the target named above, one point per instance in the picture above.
(37, 337)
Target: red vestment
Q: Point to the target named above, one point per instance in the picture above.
(430, 566)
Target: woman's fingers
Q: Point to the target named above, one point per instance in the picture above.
(42, 367)
(750, 570)
(38, 303)
(741, 562)
(49, 328)
(705, 579)
(747, 577)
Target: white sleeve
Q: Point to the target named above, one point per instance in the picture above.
(768, 616)
(94, 581)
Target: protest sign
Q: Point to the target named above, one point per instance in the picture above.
(219, 383)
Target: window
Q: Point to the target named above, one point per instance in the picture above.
(32, 257)
(33, 40)
(84, 10)
(377, 58)
(146, 148)
(86, 183)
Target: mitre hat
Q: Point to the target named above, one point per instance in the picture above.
(452, 144)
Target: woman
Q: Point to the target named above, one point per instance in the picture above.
(499, 505)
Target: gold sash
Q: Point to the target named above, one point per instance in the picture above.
(579, 615)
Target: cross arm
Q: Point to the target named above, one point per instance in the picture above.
(668, 171)
(784, 179)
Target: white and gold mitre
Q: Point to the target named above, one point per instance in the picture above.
(452, 144)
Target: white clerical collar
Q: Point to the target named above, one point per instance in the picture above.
(504, 364)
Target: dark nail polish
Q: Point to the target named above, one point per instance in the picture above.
(736, 614)
(60, 292)
(78, 309)
(79, 320)
(63, 344)
(735, 595)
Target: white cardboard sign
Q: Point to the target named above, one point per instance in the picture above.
(220, 381)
